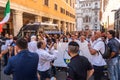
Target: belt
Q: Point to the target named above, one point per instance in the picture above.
(44, 71)
(103, 67)
(61, 69)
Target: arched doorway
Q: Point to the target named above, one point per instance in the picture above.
(86, 27)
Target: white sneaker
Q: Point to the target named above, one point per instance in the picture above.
(53, 78)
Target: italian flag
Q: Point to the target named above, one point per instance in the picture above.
(6, 15)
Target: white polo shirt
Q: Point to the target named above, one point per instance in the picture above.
(84, 51)
(45, 58)
(97, 59)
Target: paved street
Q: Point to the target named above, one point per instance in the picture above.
(4, 77)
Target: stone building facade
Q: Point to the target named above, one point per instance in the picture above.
(87, 14)
(61, 12)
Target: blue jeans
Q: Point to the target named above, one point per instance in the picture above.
(113, 68)
(119, 67)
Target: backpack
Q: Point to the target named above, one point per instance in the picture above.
(106, 53)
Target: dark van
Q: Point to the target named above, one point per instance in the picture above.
(35, 28)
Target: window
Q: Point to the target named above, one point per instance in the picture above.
(96, 3)
(89, 4)
(96, 13)
(62, 10)
(86, 19)
(95, 19)
(46, 2)
(89, 19)
(86, 4)
(73, 5)
(66, 1)
(83, 20)
(81, 5)
(95, 26)
(55, 7)
(67, 13)
(70, 3)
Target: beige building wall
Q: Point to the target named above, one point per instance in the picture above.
(23, 11)
(108, 12)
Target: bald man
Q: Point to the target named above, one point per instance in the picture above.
(97, 59)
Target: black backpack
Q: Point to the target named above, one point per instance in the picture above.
(106, 53)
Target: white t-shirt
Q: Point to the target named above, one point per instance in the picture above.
(97, 59)
(84, 51)
(32, 46)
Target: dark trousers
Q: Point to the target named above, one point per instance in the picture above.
(44, 74)
(53, 71)
(98, 72)
(6, 59)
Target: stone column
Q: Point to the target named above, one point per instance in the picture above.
(59, 25)
(71, 27)
(17, 21)
(64, 27)
(38, 19)
(75, 27)
(68, 27)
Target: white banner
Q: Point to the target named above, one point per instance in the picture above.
(62, 58)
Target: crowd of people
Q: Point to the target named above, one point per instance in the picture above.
(32, 57)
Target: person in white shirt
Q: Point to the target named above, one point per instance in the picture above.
(74, 37)
(92, 39)
(84, 51)
(97, 59)
(44, 60)
(32, 45)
